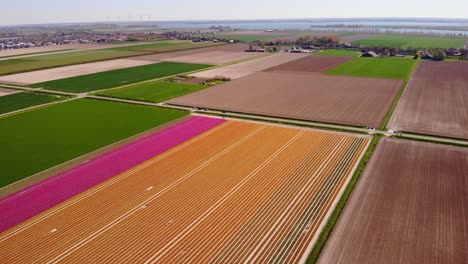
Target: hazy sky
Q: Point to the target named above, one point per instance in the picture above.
(58, 11)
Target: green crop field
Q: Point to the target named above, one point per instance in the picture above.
(37, 140)
(246, 38)
(394, 68)
(154, 91)
(338, 52)
(17, 101)
(115, 78)
(416, 42)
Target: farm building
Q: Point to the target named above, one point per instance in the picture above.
(370, 54)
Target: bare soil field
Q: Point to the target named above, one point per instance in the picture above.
(435, 101)
(312, 64)
(351, 38)
(306, 96)
(5, 91)
(70, 71)
(242, 69)
(163, 56)
(214, 57)
(410, 206)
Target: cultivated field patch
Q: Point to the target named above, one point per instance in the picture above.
(49, 136)
(277, 188)
(409, 206)
(214, 57)
(394, 68)
(435, 101)
(242, 69)
(306, 96)
(311, 64)
(70, 71)
(34, 199)
(115, 78)
(416, 42)
(154, 91)
(21, 100)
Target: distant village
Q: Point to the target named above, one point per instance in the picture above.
(303, 44)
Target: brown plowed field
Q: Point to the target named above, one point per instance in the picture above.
(435, 101)
(307, 96)
(410, 206)
(238, 70)
(241, 191)
(312, 64)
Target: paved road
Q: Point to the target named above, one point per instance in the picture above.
(289, 121)
(244, 116)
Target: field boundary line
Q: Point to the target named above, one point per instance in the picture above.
(334, 205)
(342, 200)
(391, 113)
(286, 126)
(152, 198)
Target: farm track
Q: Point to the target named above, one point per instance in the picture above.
(213, 194)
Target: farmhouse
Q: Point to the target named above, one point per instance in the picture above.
(370, 54)
(426, 56)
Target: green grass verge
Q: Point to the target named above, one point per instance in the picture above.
(418, 42)
(325, 234)
(18, 101)
(388, 67)
(154, 91)
(37, 140)
(338, 52)
(115, 78)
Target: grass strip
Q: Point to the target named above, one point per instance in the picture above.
(325, 234)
